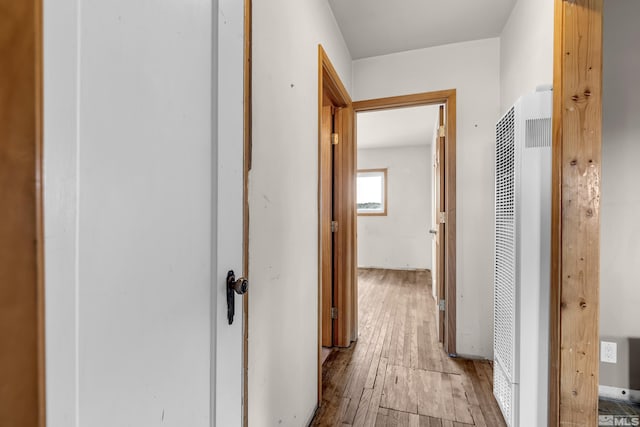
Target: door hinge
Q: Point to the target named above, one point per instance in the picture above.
(442, 132)
(441, 305)
(334, 226)
(334, 139)
(334, 312)
(442, 218)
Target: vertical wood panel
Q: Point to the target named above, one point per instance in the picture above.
(450, 233)
(344, 213)
(21, 259)
(326, 215)
(575, 277)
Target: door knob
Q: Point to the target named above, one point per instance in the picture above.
(234, 286)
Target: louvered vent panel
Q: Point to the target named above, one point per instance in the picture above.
(505, 250)
(538, 133)
(503, 393)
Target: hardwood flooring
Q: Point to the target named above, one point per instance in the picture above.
(397, 374)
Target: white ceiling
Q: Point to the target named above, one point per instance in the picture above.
(402, 127)
(380, 27)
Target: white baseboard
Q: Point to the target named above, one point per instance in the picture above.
(616, 393)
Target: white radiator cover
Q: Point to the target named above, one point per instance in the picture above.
(522, 260)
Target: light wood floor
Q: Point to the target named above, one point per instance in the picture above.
(396, 374)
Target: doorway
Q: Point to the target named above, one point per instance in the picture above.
(444, 188)
(337, 295)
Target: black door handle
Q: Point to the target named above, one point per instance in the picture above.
(234, 287)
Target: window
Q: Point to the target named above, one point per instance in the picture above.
(372, 192)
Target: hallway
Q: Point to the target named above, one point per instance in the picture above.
(396, 374)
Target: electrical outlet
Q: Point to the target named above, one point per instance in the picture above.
(608, 352)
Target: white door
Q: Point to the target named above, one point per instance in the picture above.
(143, 212)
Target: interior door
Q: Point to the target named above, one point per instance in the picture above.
(143, 212)
(326, 216)
(439, 227)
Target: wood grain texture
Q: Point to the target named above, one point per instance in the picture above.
(448, 99)
(577, 141)
(326, 216)
(22, 402)
(397, 374)
(451, 228)
(344, 212)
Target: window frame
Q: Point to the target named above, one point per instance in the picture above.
(385, 203)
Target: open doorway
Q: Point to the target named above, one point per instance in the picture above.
(416, 236)
(397, 207)
(400, 371)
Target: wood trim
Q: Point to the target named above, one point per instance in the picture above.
(450, 233)
(40, 274)
(413, 100)
(386, 210)
(575, 250)
(331, 88)
(331, 81)
(448, 98)
(345, 214)
(22, 362)
(247, 159)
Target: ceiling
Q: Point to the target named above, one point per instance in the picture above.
(401, 127)
(380, 27)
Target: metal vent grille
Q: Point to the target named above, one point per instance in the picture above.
(505, 247)
(538, 133)
(504, 394)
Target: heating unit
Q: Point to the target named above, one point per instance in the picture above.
(522, 260)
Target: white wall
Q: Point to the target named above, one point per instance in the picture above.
(620, 234)
(473, 68)
(129, 173)
(400, 240)
(283, 328)
(526, 50)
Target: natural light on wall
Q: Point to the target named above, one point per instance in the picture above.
(372, 192)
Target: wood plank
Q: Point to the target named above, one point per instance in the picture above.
(358, 379)
(575, 281)
(377, 394)
(399, 392)
(460, 402)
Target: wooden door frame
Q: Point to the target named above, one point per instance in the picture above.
(575, 220)
(448, 98)
(345, 292)
(22, 364)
